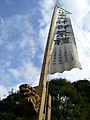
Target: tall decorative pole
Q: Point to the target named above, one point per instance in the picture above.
(45, 66)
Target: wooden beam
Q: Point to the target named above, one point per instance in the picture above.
(45, 66)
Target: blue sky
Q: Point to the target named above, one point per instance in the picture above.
(16, 6)
(21, 59)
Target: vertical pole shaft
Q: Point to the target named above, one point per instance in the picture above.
(49, 108)
(42, 83)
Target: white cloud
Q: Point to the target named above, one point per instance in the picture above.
(79, 10)
(15, 88)
(19, 64)
(3, 92)
(10, 31)
(14, 72)
(28, 42)
(30, 72)
(85, 25)
(18, 68)
(43, 33)
(45, 4)
(26, 72)
(46, 10)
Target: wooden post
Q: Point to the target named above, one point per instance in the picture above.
(49, 108)
(45, 66)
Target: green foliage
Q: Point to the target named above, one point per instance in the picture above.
(70, 101)
(19, 118)
(8, 109)
(7, 116)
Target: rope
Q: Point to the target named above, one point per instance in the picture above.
(24, 29)
(80, 30)
(83, 47)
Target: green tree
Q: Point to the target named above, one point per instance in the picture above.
(70, 101)
(8, 108)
